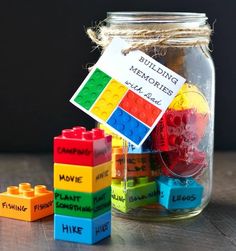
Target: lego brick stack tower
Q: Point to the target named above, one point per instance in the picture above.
(82, 182)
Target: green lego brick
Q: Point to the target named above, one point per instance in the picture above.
(92, 89)
(137, 193)
(80, 204)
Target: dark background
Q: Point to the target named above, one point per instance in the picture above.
(43, 58)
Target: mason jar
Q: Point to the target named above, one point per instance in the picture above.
(170, 175)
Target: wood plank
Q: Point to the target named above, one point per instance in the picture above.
(214, 229)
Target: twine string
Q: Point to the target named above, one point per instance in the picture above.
(146, 38)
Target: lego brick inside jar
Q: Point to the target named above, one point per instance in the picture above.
(190, 97)
(80, 147)
(82, 230)
(81, 204)
(26, 203)
(179, 129)
(185, 163)
(142, 164)
(82, 178)
(136, 193)
(177, 193)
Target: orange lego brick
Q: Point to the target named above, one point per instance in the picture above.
(138, 164)
(26, 203)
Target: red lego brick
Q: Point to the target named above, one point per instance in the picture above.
(184, 163)
(179, 129)
(140, 108)
(80, 147)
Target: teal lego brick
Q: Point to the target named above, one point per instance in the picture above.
(175, 193)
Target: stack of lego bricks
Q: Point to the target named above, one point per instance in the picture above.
(82, 182)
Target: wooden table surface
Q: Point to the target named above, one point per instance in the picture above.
(214, 229)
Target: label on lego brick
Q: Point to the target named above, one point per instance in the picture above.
(72, 229)
(22, 208)
(81, 204)
(134, 197)
(137, 165)
(42, 206)
(183, 197)
(14, 207)
(25, 210)
(175, 194)
(73, 151)
(82, 178)
(128, 92)
(83, 230)
(70, 178)
(104, 227)
(81, 152)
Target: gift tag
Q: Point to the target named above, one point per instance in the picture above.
(129, 93)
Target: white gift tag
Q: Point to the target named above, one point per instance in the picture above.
(128, 93)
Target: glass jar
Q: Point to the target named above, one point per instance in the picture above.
(170, 175)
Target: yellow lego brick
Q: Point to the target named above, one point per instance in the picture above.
(82, 178)
(26, 203)
(116, 139)
(109, 99)
(190, 97)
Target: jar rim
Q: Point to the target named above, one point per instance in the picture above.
(155, 17)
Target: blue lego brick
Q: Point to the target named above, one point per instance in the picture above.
(184, 193)
(82, 230)
(146, 147)
(128, 125)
